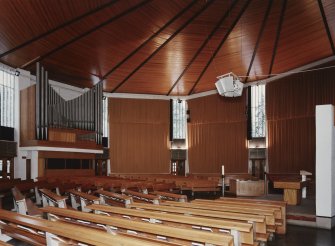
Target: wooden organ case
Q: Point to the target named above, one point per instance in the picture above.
(60, 128)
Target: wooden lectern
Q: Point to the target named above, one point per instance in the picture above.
(292, 190)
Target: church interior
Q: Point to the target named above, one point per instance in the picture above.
(180, 122)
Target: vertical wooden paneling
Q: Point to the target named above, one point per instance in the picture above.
(290, 109)
(27, 114)
(217, 134)
(139, 140)
(41, 167)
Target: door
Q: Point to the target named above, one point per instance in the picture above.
(28, 169)
(178, 167)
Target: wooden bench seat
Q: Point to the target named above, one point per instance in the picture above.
(2, 243)
(85, 199)
(170, 196)
(268, 213)
(281, 229)
(115, 198)
(198, 185)
(52, 231)
(257, 220)
(52, 199)
(259, 208)
(142, 197)
(242, 231)
(172, 233)
(24, 205)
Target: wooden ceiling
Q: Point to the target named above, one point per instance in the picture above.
(174, 47)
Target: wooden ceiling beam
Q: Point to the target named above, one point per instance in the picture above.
(65, 24)
(281, 20)
(148, 40)
(75, 39)
(208, 3)
(260, 34)
(325, 22)
(220, 45)
(217, 26)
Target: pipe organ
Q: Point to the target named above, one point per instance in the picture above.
(53, 111)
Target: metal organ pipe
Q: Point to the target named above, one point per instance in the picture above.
(83, 112)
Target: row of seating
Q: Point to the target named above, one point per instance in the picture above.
(224, 221)
(154, 232)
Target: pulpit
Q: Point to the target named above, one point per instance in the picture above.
(292, 190)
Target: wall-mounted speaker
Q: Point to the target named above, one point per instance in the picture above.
(229, 87)
(6, 133)
(105, 142)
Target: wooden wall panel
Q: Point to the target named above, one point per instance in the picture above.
(290, 109)
(65, 155)
(68, 172)
(217, 134)
(27, 114)
(139, 136)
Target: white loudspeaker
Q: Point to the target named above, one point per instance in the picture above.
(229, 86)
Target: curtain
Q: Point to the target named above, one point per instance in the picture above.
(290, 109)
(139, 136)
(217, 134)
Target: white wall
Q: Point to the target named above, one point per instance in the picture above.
(325, 162)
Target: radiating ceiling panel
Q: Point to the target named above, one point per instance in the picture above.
(262, 61)
(169, 63)
(329, 8)
(118, 40)
(123, 54)
(236, 52)
(303, 38)
(194, 71)
(20, 20)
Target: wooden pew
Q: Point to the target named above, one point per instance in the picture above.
(142, 197)
(258, 221)
(256, 209)
(28, 229)
(85, 199)
(170, 196)
(24, 205)
(51, 199)
(113, 198)
(173, 234)
(2, 243)
(268, 213)
(281, 229)
(198, 185)
(242, 231)
(7, 184)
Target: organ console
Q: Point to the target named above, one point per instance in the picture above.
(53, 111)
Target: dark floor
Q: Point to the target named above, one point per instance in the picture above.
(304, 236)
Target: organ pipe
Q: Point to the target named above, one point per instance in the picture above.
(83, 112)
